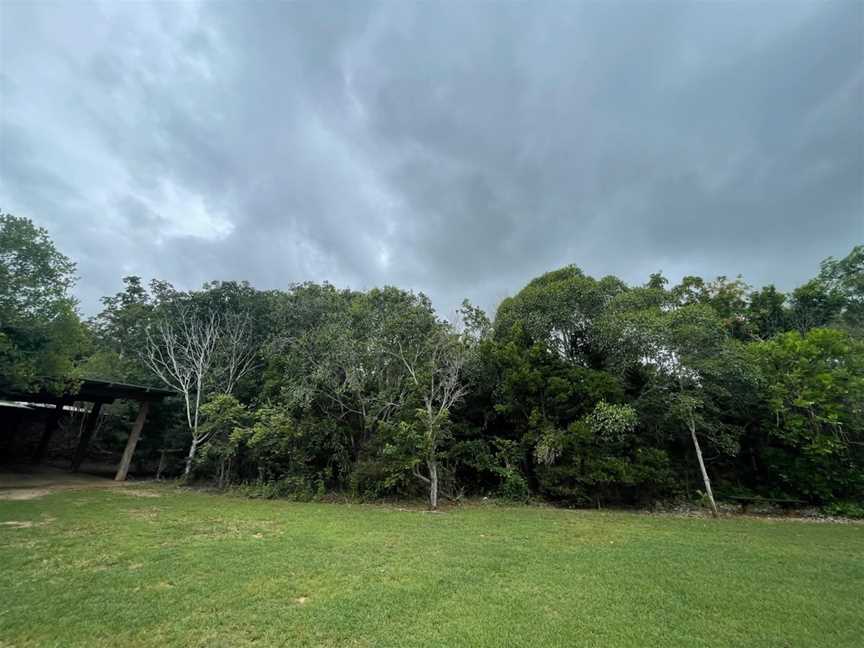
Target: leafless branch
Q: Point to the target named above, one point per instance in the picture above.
(198, 354)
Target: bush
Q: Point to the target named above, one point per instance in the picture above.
(513, 486)
(845, 509)
(292, 488)
(368, 480)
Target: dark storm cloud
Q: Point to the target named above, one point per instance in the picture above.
(455, 148)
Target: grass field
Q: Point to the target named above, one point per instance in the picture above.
(113, 567)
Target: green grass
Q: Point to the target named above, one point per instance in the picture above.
(191, 569)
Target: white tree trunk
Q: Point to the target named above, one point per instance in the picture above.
(433, 484)
(191, 351)
(702, 468)
(190, 457)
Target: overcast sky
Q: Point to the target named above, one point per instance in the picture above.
(455, 148)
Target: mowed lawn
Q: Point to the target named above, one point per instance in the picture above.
(112, 567)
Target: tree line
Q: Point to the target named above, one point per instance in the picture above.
(580, 391)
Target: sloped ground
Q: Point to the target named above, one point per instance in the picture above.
(99, 567)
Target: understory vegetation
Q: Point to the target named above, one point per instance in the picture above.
(149, 566)
(580, 391)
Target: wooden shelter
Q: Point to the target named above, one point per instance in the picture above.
(99, 393)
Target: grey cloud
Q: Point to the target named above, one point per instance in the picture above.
(453, 148)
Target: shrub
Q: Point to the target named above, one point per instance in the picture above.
(368, 480)
(293, 488)
(845, 509)
(513, 486)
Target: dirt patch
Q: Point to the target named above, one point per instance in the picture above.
(14, 524)
(137, 492)
(27, 524)
(23, 493)
(144, 514)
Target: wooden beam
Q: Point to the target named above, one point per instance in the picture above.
(134, 435)
(86, 435)
(51, 423)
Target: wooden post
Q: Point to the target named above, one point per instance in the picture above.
(51, 423)
(134, 435)
(161, 464)
(86, 435)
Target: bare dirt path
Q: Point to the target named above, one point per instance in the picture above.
(29, 482)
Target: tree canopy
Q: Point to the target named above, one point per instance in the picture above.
(579, 390)
(40, 334)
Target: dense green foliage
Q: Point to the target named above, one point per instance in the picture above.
(813, 385)
(40, 334)
(111, 567)
(581, 391)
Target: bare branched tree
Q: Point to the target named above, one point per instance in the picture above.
(199, 355)
(435, 367)
(237, 352)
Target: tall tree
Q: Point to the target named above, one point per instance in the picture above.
(345, 367)
(559, 309)
(813, 389)
(845, 278)
(198, 353)
(693, 365)
(815, 304)
(40, 333)
(766, 313)
(119, 334)
(435, 365)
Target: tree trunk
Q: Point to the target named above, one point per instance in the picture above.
(190, 458)
(433, 484)
(702, 468)
(161, 465)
